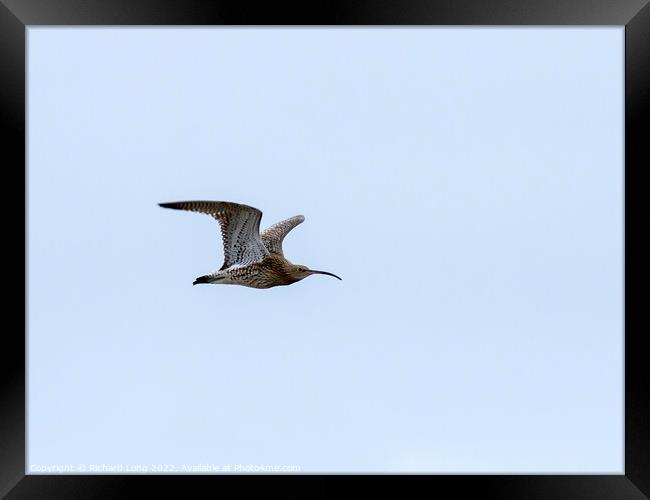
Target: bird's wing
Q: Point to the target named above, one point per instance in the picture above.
(272, 237)
(240, 229)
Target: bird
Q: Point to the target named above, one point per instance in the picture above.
(251, 258)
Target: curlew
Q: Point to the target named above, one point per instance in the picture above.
(250, 258)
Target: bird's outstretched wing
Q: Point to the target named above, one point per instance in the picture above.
(240, 229)
(272, 237)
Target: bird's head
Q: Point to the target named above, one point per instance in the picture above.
(299, 272)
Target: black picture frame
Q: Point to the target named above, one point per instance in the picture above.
(17, 15)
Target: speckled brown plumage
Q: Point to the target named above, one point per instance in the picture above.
(250, 259)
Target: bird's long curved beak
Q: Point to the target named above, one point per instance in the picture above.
(324, 272)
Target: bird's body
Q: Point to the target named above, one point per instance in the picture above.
(272, 270)
(250, 259)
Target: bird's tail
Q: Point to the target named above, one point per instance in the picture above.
(203, 279)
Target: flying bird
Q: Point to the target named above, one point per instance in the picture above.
(250, 258)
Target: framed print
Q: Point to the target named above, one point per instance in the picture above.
(457, 295)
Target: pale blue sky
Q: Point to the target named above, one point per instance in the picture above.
(465, 183)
